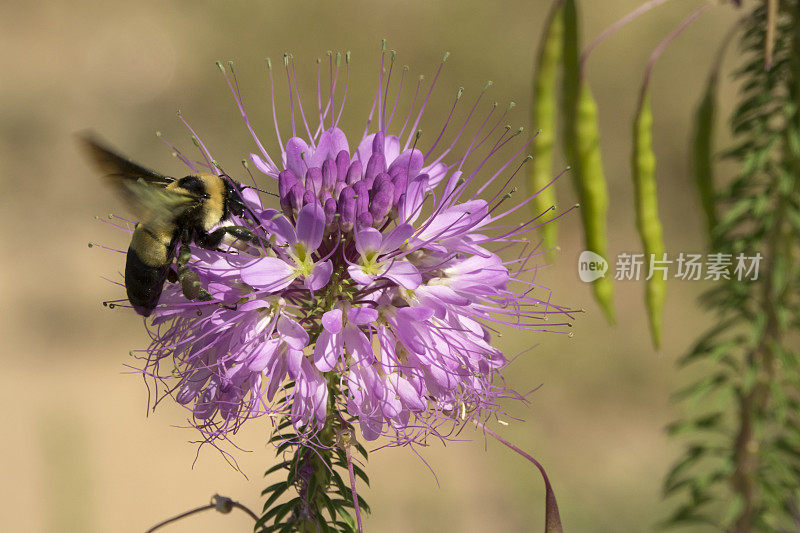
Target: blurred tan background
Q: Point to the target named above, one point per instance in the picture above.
(78, 452)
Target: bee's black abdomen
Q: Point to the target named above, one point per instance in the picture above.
(143, 283)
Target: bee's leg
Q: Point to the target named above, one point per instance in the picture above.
(191, 285)
(211, 241)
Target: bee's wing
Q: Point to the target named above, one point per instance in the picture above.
(157, 205)
(117, 168)
(142, 189)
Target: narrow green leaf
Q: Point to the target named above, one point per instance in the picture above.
(275, 486)
(280, 466)
(702, 152)
(276, 493)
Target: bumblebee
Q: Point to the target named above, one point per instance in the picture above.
(172, 213)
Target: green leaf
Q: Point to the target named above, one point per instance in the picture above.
(283, 465)
(702, 153)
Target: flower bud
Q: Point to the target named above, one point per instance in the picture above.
(347, 209)
(314, 180)
(354, 173)
(362, 200)
(295, 196)
(378, 142)
(330, 210)
(376, 165)
(342, 164)
(382, 202)
(364, 221)
(286, 180)
(328, 174)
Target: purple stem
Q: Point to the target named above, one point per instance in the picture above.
(694, 15)
(353, 486)
(618, 25)
(552, 520)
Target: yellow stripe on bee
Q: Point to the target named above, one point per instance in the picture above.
(214, 206)
(151, 244)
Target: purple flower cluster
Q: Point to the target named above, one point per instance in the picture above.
(376, 287)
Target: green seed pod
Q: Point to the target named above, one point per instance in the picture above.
(543, 117)
(582, 149)
(643, 170)
(571, 64)
(702, 152)
(591, 183)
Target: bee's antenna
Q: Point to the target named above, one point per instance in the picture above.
(261, 190)
(241, 185)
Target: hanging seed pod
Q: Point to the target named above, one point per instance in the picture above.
(593, 192)
(543, 117)
(643, 170)
(570, 56)
(582, 148)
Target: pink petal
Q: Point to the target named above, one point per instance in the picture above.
(364, 149)
(396, 238)
(319, 276)
(327, 351)
(294, 358)
(436, 172)
(311, 226)
(276, 375)
(263, 166)
(321, 152)
(292, 333)
(338, 142)
(332, 320)
(410, 209)
(295, 148)
(410, 396)
(264, 355)
(414, 314)
(268, 273)
(368, 240)
(283, 229)
(358, 275)
(458, 219)
(410, 160)
(403, 273)
(358, 344)
(362, 315)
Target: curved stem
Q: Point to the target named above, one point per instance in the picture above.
(618, 25)
(220, 503)
(694, 15)
(552, 517)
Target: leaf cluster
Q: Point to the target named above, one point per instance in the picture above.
(740, 470)
(315, 495)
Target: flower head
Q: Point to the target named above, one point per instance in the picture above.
(376, 284)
